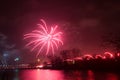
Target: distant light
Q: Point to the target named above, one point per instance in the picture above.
(78, 58)
(5, 54)
(16, 59)
(118, 54)
(38, 60)
(40, 66)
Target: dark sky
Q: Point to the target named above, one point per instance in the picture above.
(82, 22)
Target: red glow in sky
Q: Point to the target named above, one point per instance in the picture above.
(44, 38)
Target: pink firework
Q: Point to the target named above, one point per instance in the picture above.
(44, 38)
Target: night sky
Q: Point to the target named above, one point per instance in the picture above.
(83, 22)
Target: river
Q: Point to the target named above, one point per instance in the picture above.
(46, 74)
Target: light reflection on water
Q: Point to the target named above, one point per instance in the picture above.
(41, 75)
(38, 74)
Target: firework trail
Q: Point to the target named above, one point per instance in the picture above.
(44, 38)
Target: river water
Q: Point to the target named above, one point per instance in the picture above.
(46, 74)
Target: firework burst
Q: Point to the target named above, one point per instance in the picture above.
(44, 38)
